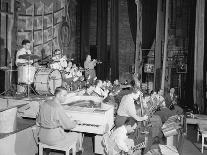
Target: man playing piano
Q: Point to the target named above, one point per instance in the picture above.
(53, 120)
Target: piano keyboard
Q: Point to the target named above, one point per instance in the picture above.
(92, 120)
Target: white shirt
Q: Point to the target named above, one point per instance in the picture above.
(22, 52)
(120, 138)
(127, 106)
(89, 64)
(101, 92)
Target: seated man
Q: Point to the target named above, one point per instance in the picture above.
(53, 120)
(99, 91)
(164, 112)
(171, 102)
(121, 140)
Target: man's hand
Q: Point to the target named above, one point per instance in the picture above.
(145, 117)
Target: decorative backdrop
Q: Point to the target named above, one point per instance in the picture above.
(39, 21)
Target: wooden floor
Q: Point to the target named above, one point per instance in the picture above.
(190, 146)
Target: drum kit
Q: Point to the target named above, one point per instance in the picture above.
(45, 80)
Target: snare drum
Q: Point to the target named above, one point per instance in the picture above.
(47, 80)
(26, 74)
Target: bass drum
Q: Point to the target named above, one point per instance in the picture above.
(47, 80)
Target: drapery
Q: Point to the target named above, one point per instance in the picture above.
(85, 24)
(114, 52)
(102, 54)
(198, 93)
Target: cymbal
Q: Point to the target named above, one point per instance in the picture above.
(29, 56)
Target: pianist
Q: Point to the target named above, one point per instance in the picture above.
(53, 120)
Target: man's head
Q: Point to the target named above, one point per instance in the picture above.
(161, 92)
(172, 90)
(128, 126)
(60, 94)
(88, 58)
(98, 83)
(116, 82)
(26, 44)
(70, 64)
(136, 93)
(57, 52)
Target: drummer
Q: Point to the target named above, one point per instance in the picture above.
(24, 50)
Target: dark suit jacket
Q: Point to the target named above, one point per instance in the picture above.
(169, 100)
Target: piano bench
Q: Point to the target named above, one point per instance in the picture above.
(66, 148)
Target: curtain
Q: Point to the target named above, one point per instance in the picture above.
(85, 25)
(199, 55)
(132, 13)
(102, 54)
(114, 51)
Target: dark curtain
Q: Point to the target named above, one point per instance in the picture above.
(85, 25)
(102, 69)
(190, 57)
(149, 13)
(205, 65)
(114, 51)
(132, 13)
(199, 55)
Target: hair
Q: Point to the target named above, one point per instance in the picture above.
(132, 83)
(55, 51)
(127, 122)
(97, 81)
(25, 41)
(59, 89)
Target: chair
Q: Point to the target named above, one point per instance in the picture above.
(202, 132)
(204, 135)
(66, 148)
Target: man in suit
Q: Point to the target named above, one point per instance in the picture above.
(171, 102)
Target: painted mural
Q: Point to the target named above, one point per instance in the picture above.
(39, 21)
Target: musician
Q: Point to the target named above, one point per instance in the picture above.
(159, 97)
(89, 67)
(127, 109)
(120, 139)
(164, 112)
(171, 102)
(99, 89)
(53, 121)
(24, 50)
(57, 55)
(155, 120)
(63, 62)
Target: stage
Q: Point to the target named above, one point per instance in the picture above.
(18, 134)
